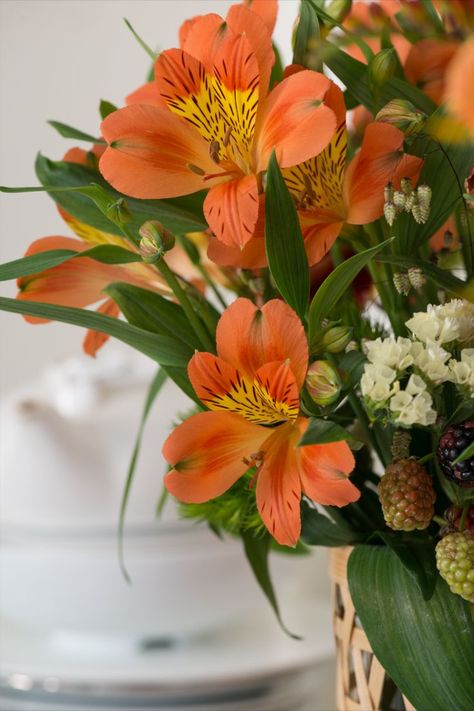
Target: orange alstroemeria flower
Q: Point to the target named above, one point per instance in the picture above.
(459, 86)
(218, 124)
(252, 391)
(328, 191)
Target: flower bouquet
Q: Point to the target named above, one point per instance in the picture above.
(294, 247)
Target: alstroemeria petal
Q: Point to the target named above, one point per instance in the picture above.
(370, 170)
(94, 340)
(324, 472)
(148, 93)
(231, 210)
(279, 487)
(207, 452)
(270, 397)
(266, 9)
(296, 122)
(249, 337)
(151, 151)
(459, 93)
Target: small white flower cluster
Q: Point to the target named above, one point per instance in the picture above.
(445, 323)
(423, 360)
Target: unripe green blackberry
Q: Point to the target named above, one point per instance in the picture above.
(407, 495)
(455, 562)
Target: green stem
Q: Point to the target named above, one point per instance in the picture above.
(211, 285)
(182, 297)
(439, 520)
(465, 511)
(426, 458)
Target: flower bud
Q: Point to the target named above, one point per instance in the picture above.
(410, 201)
(402, 283)
(399, 200)
(416, 277)
(155, 241)
(388, 193)
(419, 215)
(323, 383)
(403, 115)
(406, 186)
(336, 339)
(423, 193)
(390, 212)
(383, 66)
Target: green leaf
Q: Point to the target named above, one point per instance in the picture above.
(179, 215)
(319, 530)
(441, 277)
(336, 284)
(323, 431)
(353, 363)
(152, 312)
(257, 551)
(308, 29)
(106, 108)
(354, 75)
(163, 349)
(426, 646)
(70, 132)
(465, 454)
(140, 41)
(284, 242)
(417, 555)
(155, 387)
(35, 263)
(277, 70)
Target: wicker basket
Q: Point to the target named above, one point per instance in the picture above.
(361, 682)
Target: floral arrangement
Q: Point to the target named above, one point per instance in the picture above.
(294, 247)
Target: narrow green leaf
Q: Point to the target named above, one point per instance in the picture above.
(354, 75)
(163, 349)
(277, 70)
(152, 312)
(35, 263)
(307, 30)
(336, 284)
(70, 132)
(331, 22)
(106, 108)
(284, 242)
(319, 530)
(140, 41)
(179, 215)
(323, 431)
(257, 551)
(155, 387)
(465, 454)
(426, 646)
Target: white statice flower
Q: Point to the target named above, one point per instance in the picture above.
(431, 360)
(377, 383)
(415, 385)
(411, 409)
(463, 313)
(462, 372)
(391, 352)
(453, 321)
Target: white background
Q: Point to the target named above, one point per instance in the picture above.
(58, 58)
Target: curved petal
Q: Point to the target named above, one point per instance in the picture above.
(146, 94)
(270, 397)
(459, 93)
(266, 9)
(248, 337)
(318, 240)
(207, 453)
(370, 170)
(252, 256)
(324, 472)
(247, 21)
(279, 487)
(295, 122)
(94, 340)
(78, 282)
(231, 210)
(426, 65)
(153, 154)
(201, 37)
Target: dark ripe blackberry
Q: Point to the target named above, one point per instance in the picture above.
(452, 443)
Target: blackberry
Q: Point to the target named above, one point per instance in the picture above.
(453, 517)
(407, 495)
(452, 443)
